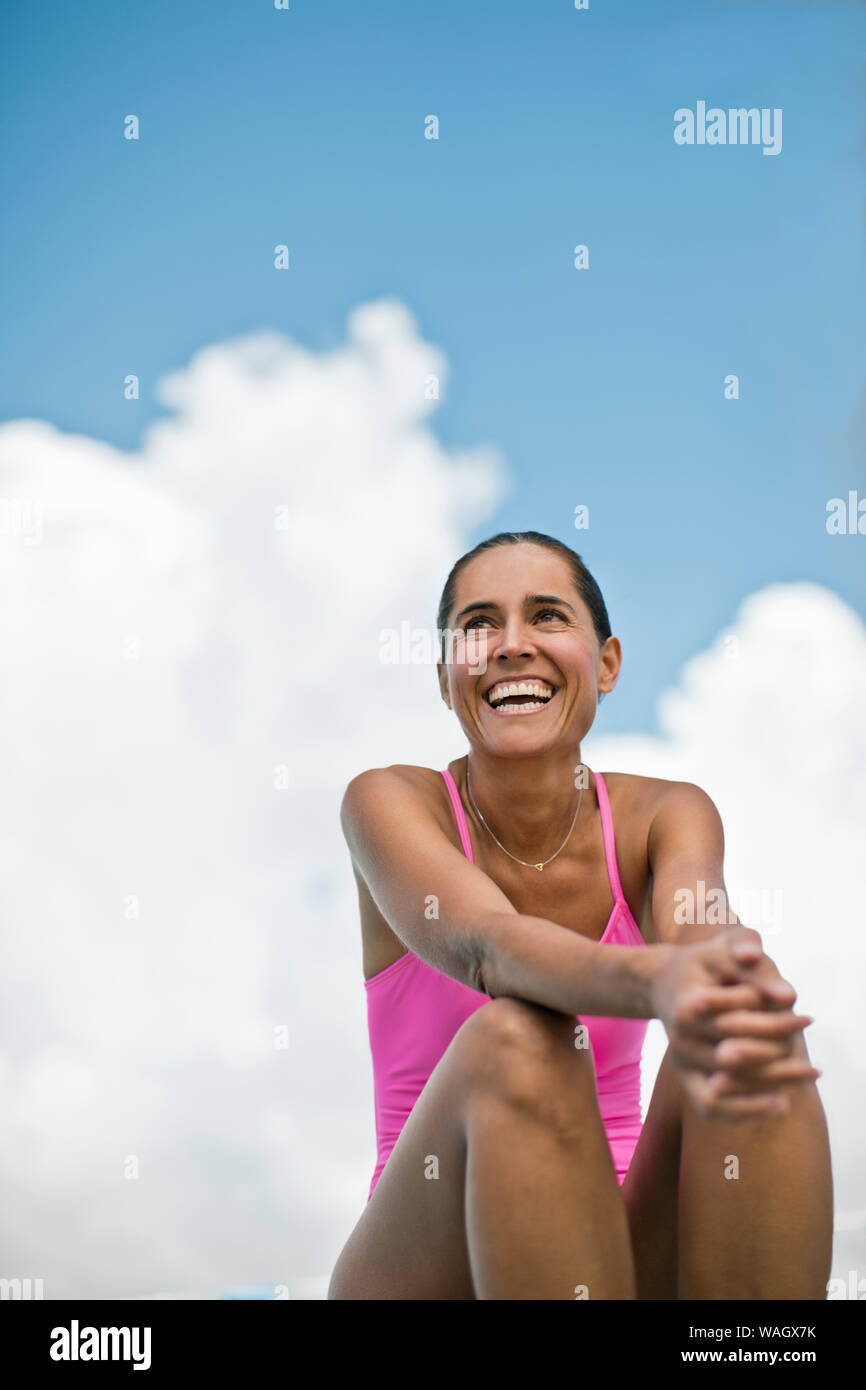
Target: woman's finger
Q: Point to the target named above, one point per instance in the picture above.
(762, 971)
(746, 948)
(719, 1108)
(691, 1054)
(766, 1024)
(745, 1067)
(732, 1053)
(777, 990)
(738, 1077)
(765, 977)
(711, 999)
(789, 1070)
(780, 1026)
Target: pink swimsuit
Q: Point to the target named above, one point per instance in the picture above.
(413, 1012)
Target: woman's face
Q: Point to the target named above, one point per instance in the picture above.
(521, 617)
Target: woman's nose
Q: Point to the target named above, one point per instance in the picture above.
(516, 640)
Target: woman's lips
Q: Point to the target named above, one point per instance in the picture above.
(515, 711)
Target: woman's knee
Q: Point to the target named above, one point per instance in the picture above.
(531, 1056)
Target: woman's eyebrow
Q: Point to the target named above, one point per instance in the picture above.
(530, 600)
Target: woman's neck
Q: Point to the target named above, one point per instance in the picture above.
(528, 802)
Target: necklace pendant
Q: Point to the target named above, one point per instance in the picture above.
(539, 867)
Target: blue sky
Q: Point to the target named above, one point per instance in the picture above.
(602, 387)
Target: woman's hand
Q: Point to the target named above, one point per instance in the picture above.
(734, 1038)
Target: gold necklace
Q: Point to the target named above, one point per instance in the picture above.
(540, 866)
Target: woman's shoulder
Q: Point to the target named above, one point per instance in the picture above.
(635, 787)
(633, 794)
(426, 782)
(404, 772)
(380, 945)
(645, 786)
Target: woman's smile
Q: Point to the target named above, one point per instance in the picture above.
(517, 705)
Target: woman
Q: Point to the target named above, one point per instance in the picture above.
(506, 1040)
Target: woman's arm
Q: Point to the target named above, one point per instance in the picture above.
(726, 1009)
(689, 905)
(685, 852)
(448, 912)
(536, 959)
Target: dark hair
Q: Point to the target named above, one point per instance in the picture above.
(581, 578)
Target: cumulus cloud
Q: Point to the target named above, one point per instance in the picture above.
(192, 646)
(192, 636)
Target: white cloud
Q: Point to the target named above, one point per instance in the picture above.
(169, 650)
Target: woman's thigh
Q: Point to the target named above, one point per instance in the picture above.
(410, 1241)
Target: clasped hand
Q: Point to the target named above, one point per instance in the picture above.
(734, 1038)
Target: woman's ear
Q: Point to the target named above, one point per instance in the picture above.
(609, 665)
(442, 672)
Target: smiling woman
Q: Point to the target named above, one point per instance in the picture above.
(515, 947)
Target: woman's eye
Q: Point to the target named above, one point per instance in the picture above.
(545, 613)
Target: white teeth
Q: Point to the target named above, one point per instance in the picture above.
(537, 688)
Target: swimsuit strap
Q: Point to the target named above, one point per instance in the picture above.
(609, 840)
(459, 813)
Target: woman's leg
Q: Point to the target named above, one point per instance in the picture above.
(756, 1203)
(525, 1205)
(721, 1210)
(651, 1189)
